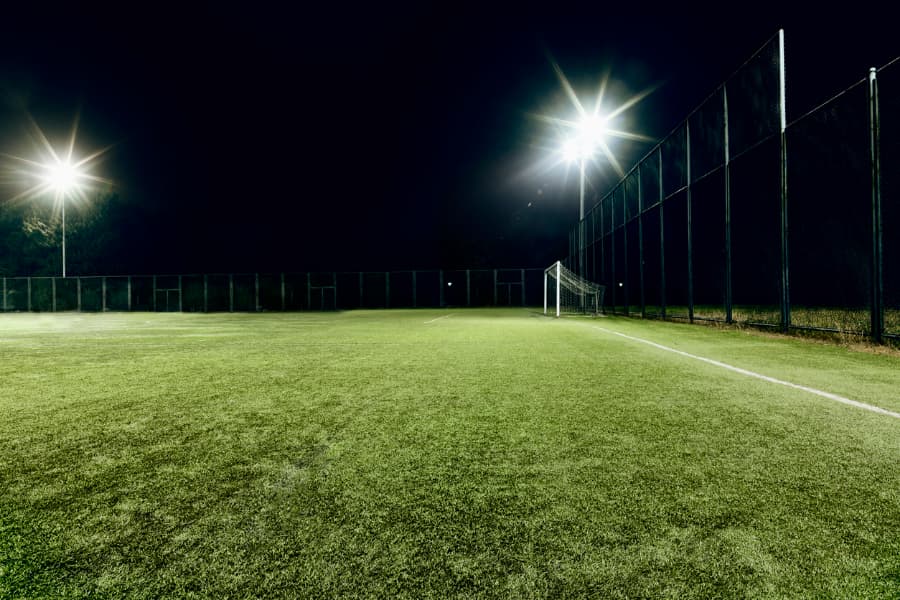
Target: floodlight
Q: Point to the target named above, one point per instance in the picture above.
(59, 173)
(570, 151)
(592, 130)
(62, 176)
(590, 134)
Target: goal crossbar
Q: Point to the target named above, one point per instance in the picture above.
(567, 292)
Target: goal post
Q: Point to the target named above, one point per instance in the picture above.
(567, 293)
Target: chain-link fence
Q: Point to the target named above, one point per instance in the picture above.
(251, 292)
(739, 216)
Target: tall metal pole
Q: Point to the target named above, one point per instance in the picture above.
(690, 242)
(662, 240)
(877, 250)
(558, 275)
(729, 307)
(602, 242)
(785, 271)
(641, 245)
(581, 222)
(63, 198)
(545, 292)
(625, 299)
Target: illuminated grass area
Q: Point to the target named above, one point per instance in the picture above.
(837, 319)
(489, 453)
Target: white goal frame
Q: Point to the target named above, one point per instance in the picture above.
(574, 283)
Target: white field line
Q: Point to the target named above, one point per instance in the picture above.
(438, 319)
(828, 395)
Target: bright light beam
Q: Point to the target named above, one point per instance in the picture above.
(55, 171)
(588, 133)
(59, 173)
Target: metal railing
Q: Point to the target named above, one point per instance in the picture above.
(740, 216)
(251, 292)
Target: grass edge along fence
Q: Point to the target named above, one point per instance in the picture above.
(740, 216)
(254, 292)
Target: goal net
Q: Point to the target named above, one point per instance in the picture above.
(566, 292)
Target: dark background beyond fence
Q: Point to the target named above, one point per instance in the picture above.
(243, 292)
(740, 216)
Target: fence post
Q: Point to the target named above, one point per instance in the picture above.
(53, 292)
(612, 256)
(662, 241)
(602, 244)
(641, 243)
(180, 295)
(415, 304)
(468, 287)
(522, 271)
(877, 256)
(231, 292)
(785, 271)
(129, 293)
(729, 306)
(282, 293)
(28, 284)
(690, 230)
(495, 287)
(103, 294)
(626, 300)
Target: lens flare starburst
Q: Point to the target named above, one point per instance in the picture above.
(59, 173)
(589, 134)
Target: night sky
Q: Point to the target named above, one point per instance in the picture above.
(255, 138)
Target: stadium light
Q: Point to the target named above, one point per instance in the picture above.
(590, 134)
(63, 178)
(58, 173)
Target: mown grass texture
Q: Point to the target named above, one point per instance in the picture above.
(479, 453)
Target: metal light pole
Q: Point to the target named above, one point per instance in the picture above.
(63, 178)
(63, 201)
(581, 221)
(588, 137)
(58, 173)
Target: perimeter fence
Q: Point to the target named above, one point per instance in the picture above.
(740, 216)
(252, 292)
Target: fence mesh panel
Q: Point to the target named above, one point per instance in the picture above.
(829, 215)
(756, 235)
(737, 215)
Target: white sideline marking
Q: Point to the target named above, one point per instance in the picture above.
(828, 395)
(438, 319)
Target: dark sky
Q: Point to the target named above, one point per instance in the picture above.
(255, 137)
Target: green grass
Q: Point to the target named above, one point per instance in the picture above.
(493, 453)
(853, 321)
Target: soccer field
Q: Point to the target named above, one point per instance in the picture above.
(440, 453)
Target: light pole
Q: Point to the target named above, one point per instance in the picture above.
(590, 133)
(59, 173)
(64, 237)
(62, 177)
